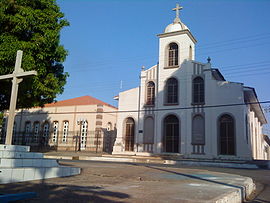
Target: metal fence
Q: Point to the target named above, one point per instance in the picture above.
(95, 141)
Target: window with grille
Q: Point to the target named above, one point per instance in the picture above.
(14, 132)
(27, 132)
(55, 131)
(36, 131)
(84, 134)
(150, 94)
(65, 131)
(3, 131)
(173, 55)
(46, 130)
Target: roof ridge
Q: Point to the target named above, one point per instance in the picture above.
(82, 100)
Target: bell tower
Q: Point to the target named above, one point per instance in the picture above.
(176, 44)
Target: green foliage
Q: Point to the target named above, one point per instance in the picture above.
(1, 118)
(32, 26)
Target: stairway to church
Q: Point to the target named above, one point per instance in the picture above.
(179, 159)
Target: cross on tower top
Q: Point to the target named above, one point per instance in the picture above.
(177, 9)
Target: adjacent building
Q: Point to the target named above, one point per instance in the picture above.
(78, 124)
(187, 107)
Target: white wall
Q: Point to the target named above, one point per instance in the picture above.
(128, 101)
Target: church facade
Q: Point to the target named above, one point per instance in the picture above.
(186, 107)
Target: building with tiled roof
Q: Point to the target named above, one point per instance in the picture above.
(81, 123)
(84, 100)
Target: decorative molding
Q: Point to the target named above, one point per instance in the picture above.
(171, 67)
(178, 33)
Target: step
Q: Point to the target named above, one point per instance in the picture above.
(10, 175)
(16, 148)
(265, 164)
(14, 154)
(213, 164)
(133, 156)
(28, 162)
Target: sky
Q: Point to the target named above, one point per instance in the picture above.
(110, 40)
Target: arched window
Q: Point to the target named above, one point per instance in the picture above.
(14, 127)
(55, 131)
(129, 134)
(84, 130)
(3, 131)
(171, 91)
(109, 126)
(45, 133)
(198, 137)
(226, 135)
(148, 133)
(198, 90)
(36, 131)
(173, 54)
(65, 131)
(14, 136)
(150, 94)
(190, 52)
(171, 134)
(27, 132)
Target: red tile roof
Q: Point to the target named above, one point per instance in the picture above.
(84, 100)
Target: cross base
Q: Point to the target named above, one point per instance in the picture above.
(18, 164)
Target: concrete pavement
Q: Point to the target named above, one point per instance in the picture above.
(131, 182)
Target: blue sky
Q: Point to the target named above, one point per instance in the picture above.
(109, 41)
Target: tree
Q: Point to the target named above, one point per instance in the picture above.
(32, 26)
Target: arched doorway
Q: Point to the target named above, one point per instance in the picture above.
(171, 136)
(226, 135)
(129, 134)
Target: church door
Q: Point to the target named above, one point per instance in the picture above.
(226, 135)
(171, 134)
(129, 134)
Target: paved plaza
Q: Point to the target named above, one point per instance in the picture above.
(128, 182)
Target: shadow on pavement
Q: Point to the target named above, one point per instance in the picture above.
(202, 179)
(64, 193)
(259, 201)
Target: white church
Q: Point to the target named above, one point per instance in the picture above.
(185, 107)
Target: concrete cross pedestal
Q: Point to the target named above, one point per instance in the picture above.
(17, 163)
